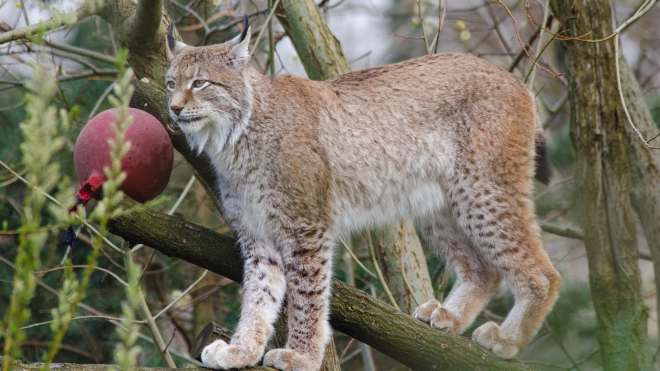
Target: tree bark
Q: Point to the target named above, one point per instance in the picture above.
(644, 170)
(318, 49)
(353, 312)
(404, 265)
(598, 132)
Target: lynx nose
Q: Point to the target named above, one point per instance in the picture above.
(176, 109)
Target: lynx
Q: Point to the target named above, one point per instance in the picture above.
(448, 140)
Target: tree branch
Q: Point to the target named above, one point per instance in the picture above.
(147, 55)
(81, 13)
(317, 47)
(644, 169)
(570, 232)
(145, 23)
(23, 366)
(353, 312)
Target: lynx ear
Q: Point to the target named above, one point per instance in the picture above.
(174, 46)
(240, 52)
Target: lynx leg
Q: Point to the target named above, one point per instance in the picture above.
(478, 281)
(263, 291)
(503, 226)
(308, 267)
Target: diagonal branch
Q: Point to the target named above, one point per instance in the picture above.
(353, 312)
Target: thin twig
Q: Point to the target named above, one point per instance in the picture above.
(441, 18)
(87, 266)
(405, 37)
(569, 232)
(146, 315)
(82, 52)
(271, 43)
(386, 289)
(561, 345)
(146, 266)
(182, 294)
(554, 111)
(107, 318)
(350, 252)
(645, 7)
(21, 33)
(532, 74)
(270, 15)
(421, 22)
(515, 28)
(171, 339)
(100, 100)
(496, 28)
(620, 90)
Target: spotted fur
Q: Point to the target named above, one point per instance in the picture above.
(447, 140)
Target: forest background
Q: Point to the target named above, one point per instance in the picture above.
(599, 213)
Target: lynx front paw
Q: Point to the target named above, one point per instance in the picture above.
(433, 313)
(222, 356)
(490, 336)
(290, 360)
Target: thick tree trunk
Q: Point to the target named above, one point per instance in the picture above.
(598, 131)
(644, 170)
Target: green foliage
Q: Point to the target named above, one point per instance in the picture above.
(73, 291)
(126, 352)
(41, 142)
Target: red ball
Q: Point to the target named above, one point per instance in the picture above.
(148, 164)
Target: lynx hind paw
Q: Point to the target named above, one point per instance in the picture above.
(222, 356)
(290, 360)
(433, 313)
(490, 336)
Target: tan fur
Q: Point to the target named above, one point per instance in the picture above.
(446, 139)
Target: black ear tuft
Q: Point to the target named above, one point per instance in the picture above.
(246, 25)
(171, 42)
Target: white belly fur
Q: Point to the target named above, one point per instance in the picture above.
(414, 202)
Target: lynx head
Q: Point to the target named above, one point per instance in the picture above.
(209, 90)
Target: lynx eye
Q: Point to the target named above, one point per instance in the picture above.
(198, 83)
(171, 85)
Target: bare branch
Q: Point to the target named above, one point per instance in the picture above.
(81, 13)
